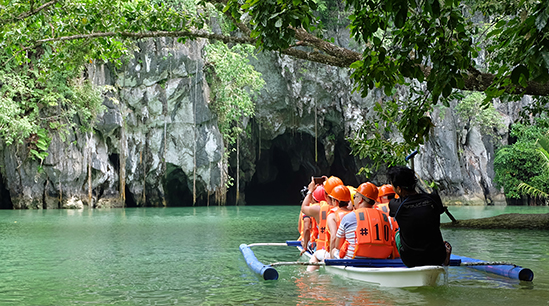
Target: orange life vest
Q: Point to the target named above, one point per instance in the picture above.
(323, 240)
(384, 207)
(374, 236)
(339, 214)
(394, 225)
(314, 227)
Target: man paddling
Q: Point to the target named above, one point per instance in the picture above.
(419, 239)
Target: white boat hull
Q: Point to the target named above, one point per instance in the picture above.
(391, 277)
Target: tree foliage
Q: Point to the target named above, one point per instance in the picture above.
(234, 83)
(474, 112)
(431, 45)
(522, 169)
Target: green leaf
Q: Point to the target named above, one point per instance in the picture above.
(278, 23)
(545, 56)
(356, 65)
(517, 72)
(541, 20)
(435, 7)
(400, 18)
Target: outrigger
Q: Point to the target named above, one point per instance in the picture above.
(384, 272)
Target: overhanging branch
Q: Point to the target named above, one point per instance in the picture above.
(331, 54)
(27, 14)
(186, 34)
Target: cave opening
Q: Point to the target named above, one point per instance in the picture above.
(5, 198)
(177, 191)
(283, 184)
(287, 166)
(130, 198)
(115, 161)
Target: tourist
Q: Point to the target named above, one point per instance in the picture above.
(419, 239)
(386, 194)
(307, 226)
(366, 231)
(320, 212)
(341, 197)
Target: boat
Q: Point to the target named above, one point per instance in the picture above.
(385, 272)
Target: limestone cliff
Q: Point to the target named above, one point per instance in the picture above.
(158, 141)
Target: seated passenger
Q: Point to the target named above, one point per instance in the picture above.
(367, 230)
(307, 226)
(320, 212)
(386, 194)
(341, 195)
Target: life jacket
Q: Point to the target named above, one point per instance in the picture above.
(322, 242)
(314, 227)
(339, 214)
(384, 207)
(374, 236)
(314, 230)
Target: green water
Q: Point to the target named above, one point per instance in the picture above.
(190, 256)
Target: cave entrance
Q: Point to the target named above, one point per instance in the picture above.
(281, 186)
(130, 198)
(5, 198)
(287, 166)
(176, 188)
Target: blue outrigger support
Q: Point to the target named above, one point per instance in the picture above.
(266, 271)
(269, 273)
(510, 271)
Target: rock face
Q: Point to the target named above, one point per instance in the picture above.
(157, 140)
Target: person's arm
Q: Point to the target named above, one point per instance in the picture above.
(334, 250)
(332, 227)
(311, 211)
(306, 234)
(340, 235)
(438, 203)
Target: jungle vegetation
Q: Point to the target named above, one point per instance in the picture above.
(438, 48)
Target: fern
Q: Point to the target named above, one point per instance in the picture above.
(532, 191)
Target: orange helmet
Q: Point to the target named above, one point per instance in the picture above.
(341, 193)
(368, 190)
(331, 182)
(385, 190)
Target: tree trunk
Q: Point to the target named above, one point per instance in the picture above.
(506, 221)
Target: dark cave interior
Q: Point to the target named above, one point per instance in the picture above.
(287, 166)
(5, 198)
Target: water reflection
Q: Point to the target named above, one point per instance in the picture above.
(190, 256)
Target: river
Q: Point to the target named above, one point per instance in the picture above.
(190, 256)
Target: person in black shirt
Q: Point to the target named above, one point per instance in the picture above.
(418, 216)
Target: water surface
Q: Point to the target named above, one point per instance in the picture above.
(190, 256)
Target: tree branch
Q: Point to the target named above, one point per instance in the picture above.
(335, 55)
(27, 14)
(187, 34)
